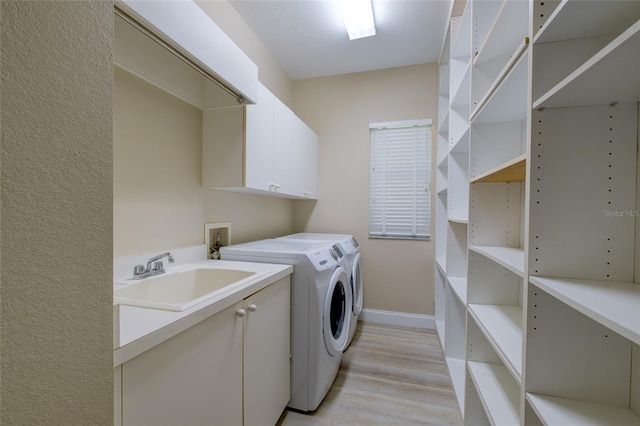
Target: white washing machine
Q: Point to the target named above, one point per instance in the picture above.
(353, 266)
(320, 311)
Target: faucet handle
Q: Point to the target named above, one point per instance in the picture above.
(138, 270)
(170, 258)
(157, 266)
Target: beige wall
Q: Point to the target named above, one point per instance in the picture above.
(158, 202)
(398, 274)
(56, 283)
(157, 198)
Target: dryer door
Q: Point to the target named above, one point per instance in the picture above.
(356, 284)
(337, 312)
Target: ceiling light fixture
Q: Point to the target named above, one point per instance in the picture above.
(358, 18)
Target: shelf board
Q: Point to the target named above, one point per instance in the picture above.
(581, 19)
(462, 95)
(456, 372)
(506, 32)
(509, 257)
(444, 80)
(500, 78)
(441, 268)
(502, 325)
(614, 304)
(514, 170)
(506, 100)
(443, 126)
(442, 164)
(462, 144)
(499, 394)
(443, 191)
(561, 411)
(459, 287)
(611, 75)
(460, 220)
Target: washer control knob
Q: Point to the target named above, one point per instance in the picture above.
(333, 254)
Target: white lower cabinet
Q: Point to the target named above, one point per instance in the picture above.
(230, 369)
(267, 354)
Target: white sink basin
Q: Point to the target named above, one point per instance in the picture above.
(178, 291)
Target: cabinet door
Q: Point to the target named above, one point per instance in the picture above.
(194, 378)
(289, 151)
(313, 146)
(267, 354)
(259, 142)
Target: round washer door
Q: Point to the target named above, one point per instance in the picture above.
(356, 284)
(337, 313)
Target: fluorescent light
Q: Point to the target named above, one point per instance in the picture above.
(358, 18)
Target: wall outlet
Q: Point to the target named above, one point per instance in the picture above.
(211, 230)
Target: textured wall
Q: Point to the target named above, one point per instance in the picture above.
(56, 192)
(398, 274)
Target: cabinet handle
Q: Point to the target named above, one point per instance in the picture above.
(241, 312)
(277, 185)
(252, 307)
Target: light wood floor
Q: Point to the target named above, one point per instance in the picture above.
(389, 376)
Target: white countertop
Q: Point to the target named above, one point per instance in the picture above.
(137, 330)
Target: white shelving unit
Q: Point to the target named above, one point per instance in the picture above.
(537, 233)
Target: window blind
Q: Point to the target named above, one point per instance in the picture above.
(399, 197)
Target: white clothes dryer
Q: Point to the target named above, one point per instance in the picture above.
(352, 264)
(320, 311)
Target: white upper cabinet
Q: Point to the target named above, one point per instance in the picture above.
(313, 146)
(263, 148)
(259, 155)
(289, 151)
(176, 46)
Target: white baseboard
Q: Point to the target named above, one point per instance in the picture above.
(398, 318)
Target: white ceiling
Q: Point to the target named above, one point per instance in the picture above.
(308, 37)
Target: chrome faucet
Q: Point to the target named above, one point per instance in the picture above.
(154, 267)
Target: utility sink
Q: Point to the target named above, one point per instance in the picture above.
(178, 291)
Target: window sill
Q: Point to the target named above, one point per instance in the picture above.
(380, 237)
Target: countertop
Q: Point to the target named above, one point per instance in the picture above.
(137, 330)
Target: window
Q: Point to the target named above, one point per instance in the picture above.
(400, 168)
